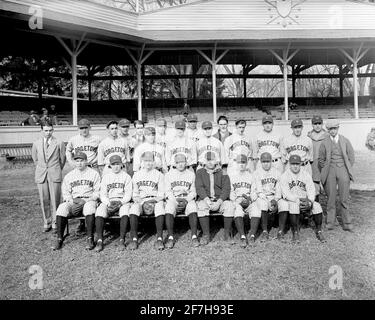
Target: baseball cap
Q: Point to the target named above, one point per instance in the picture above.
(267, 118)
(332, 124)
(207, 125)
(148, 155)
(80, 155)
(110, 122)
(115, 159)
(265, 157)
(150, 131)
(180, 125)
(124, 123)
(295, 159)
(83, 123)
(44, 109)
(179, 158)
(210, 156)
(33, 112)
(161, 122)
(296, 123)
(316, 119)
(241, 158)
(192, 118)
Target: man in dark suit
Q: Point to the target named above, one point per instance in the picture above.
(48, 154)
(335, 162)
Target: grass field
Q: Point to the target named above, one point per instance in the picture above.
(271, 270)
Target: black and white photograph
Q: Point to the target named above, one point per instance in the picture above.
(198, 152)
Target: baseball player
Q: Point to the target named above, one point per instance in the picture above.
(138, 137)
(111, 145)
(243, 196)
(208, 143)
(296, 144)
(192, 131)
(213, 191)
(151, 146)
(124, 125)
(180, 144)
(115, 195)
(148, 186)
(267, 180)
(161, 138)
(223, 132)
(268, 141)
(317, 135)
(180, 193)
(237, 144)
(81, 183)
(297, 184)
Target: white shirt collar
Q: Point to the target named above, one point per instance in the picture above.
(335, 139)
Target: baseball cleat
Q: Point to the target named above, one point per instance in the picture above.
(122, 244)
(90, 243)
(195, 242)
(99, 246)
(280, 236)
(252, 240)
(243, 242)
(159, 245)
(47, 229)
(170, 243)
(205, 240)
(133, 245)
(320, 236)
(295, 237)
(264, 236)
(80, 229)
(58, 244)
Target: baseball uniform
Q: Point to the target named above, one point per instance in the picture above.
(88, 145)
(194, 135)
(268, 142)
(110, 146)
(184, 146)
(158, 152)
(234, 146)
(212, 144)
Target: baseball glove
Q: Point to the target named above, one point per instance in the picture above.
(77, 207)
(245, 201)
(305, 205)
(114, 207)
(148, 207)
(273, 206)
(181, 205)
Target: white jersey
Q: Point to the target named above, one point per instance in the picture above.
(194, 135)
(301, 146)
(109, 147)
(116, 186)
(268, 182)
(242, 183)
(267, 142)
(180, 184)
(148, 184)
(157, 151)
(181, 145)
(88, 145)
(294, 186)
(237, 144)
(210, 144)
(83, 184)
(162, 140)
(128, 141)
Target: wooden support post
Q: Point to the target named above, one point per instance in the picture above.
(293, 82)
(244, 73)
(74, 88)
(341, 83)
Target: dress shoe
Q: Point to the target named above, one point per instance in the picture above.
(252, 240)
(195, 242)
(133, 245)
(170, 243)
(159, 245)
(243, 242)
(264, 236)
(320, 236)
(280, 235)
(58, 244)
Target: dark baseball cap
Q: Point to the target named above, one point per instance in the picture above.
(161, 122)
(115, 159)
(207, 125)
(180, 125)
(295, 159)
(192, 118)
(316, 119)
(33, 112)
(241, 158)
(44, 109)
(148, 155)
(83, 123)
(267, 118)
(265, 157)
(80, 155)
(210, 156)
(125, 123)
(296, 123)
(150, 131)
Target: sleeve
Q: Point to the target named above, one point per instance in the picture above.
(310, 188)
(100, 154)
(285, 191)
(277, 191)
(255, 149)
(34, 153)
(310, 153)
(284, 155)
(226, 147)
(161, 187)
(322, 156)
(259, 187)
(168, 189)
(223, 155)
(69, 152)
(168, 155)
(96, 192)
(95, 160)
(194, 155)
(103, 191)
(199, 185)
(192, 194)
(163, 161)
(62, 154)
(225, 191)
(137, 159)
(136, 193)
(251, 150)
(232, 194)
(350, 152)
(253, 191)
(66, 189)
(128, 190)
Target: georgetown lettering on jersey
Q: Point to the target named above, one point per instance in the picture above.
(152, 184)
(297, 183)
(268, 181)
(114, 149)
(181, 184)
(265, 143)
(296, 147)
(78, 183)
(241, 185)
(208, 148)
(115, 185)
(85, 148)
(180, 150)
(239, 143)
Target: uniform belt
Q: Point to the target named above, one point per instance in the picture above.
(275, 160)
(93, 165)
(305, 163)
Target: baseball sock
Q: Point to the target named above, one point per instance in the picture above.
(193, 222)
(205, 225)
(318, 219)
(283, 216)
(169, 222)
(61, 223)
(294, 219)
(123, 226)
(99, 223)
(254, 224)
(159, 222)
(240, 226)
(133, 226)
(90, 223)
(264, 220)
(228, 226)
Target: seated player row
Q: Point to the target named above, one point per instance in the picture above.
(261, 194)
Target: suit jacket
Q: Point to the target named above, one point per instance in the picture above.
(324, 159)
(50, 163)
